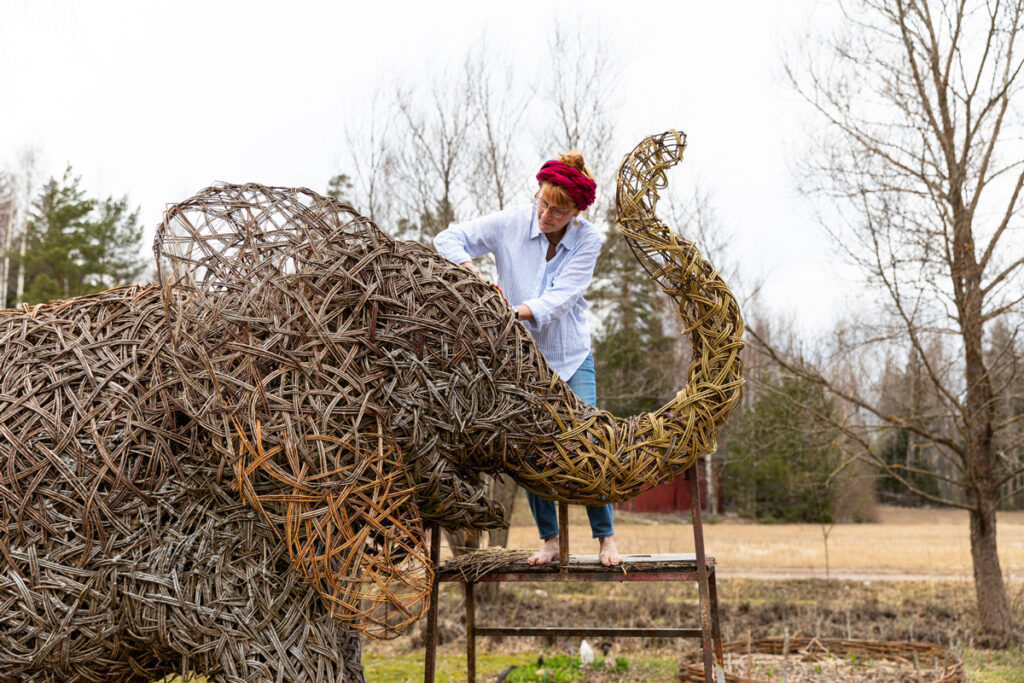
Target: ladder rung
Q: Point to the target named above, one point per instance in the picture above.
(595, 632)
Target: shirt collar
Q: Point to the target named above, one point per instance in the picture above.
(572, 233)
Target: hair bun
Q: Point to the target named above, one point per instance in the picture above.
(575, 159)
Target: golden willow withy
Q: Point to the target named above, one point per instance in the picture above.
(231, 472)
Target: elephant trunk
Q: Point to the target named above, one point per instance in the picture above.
(589, 456)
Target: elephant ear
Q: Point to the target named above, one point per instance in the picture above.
(268, 296)
(348, 529)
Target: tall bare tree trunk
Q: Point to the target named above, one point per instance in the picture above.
(5, 266)
(979, 417)
(993, 607)
(27, 172)
(19, 293)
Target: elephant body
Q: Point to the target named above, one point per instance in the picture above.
(137, 540)
(230, 472)
(125, 553)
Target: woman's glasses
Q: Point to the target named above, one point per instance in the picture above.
(553, 211)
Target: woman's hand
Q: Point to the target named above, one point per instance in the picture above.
(522, 310)
(468, 265)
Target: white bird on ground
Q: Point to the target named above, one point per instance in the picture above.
(586, 652)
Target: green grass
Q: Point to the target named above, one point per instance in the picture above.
(555, 669)
(982, 666)
(451, 668)
(408, 668)
(995, 666)
(566, 668)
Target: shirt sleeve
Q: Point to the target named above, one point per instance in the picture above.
(569, 285)
(461, 242)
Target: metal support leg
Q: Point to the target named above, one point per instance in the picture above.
(716, 631)
(702, 574)
(430, 662)
(470, 633)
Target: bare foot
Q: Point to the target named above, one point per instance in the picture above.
(609, 554)
(547, 553)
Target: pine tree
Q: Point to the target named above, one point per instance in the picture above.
(110, 246)
(53, 240)
(782, 455)
(78, 245)
(636, 360)
(341, 187)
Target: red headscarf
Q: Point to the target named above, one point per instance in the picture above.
(579, 187)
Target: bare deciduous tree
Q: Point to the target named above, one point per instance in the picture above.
(23, 187)
(501, 100)
(8, 197)
(433, 161)
(579, 92)
(919, 157)
(369, 145)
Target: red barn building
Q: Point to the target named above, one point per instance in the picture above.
(674, 496)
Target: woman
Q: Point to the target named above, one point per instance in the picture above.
(545, 258)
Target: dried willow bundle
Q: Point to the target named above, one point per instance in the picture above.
(230, 472)
(475, 564)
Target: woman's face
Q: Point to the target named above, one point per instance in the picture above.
(552, 218)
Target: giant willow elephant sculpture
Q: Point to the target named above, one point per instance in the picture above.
(230, 472)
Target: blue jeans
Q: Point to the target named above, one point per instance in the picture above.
(545, 512)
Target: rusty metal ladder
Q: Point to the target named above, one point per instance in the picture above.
(682, 567)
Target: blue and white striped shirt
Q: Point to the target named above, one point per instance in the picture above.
(552, 289)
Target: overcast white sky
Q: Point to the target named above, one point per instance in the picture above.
(158, 100)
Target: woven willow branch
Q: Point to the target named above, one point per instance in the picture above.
(230, 472)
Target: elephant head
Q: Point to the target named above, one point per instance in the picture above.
(359, 385)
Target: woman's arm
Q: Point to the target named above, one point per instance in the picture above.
(462, 242)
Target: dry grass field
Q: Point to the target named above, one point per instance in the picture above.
(912, 541)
